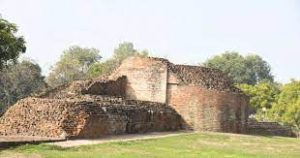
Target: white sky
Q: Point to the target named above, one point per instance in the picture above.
(184, 31)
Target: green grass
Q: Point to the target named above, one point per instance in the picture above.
(210, 145)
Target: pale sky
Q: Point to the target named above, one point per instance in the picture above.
(184, 31)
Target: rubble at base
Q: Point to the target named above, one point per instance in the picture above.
(87, 116)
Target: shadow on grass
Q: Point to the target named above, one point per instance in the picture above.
(26, 145)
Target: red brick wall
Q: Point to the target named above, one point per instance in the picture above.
(208, 110)
(201, 108)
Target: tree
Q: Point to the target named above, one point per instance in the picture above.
(262, 96)
(18, 81)
(102, 68)
(73, 65)
(250, 69)
(258, 69)
(10, 45)
(287, 109)
(124, 50)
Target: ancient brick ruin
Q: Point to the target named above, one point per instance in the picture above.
(142, 95)
(204, 97)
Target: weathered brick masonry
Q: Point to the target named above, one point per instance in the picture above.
(204, 97)
(87, 116)
(147, 79)
(269, 128)
(142, 95)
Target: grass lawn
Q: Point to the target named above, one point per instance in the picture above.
(211, 145)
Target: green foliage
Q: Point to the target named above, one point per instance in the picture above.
(10, 44)
(253, 76)
(250, 69)
(123, 51)
(102, 68)
(287, 109)
(73, 65)
(18, 81)
(126, 50)
(262, 95)
(81, 63)
(96, 69)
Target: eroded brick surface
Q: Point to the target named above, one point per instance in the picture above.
(87, 116)
(205, 98)
(142, 95)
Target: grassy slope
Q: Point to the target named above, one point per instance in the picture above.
(187, 145)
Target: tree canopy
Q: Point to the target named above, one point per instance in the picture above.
(287, 109)
(102, 68)
(262, 95)
(73, 65)
(11, 45)
(123, 51)
(249, 69)
(18, 81)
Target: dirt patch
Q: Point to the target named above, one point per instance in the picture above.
(116, 138)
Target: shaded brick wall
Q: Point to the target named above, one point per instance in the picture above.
(147, 79)
(97, 86)
(133, 118)
(108, 87)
